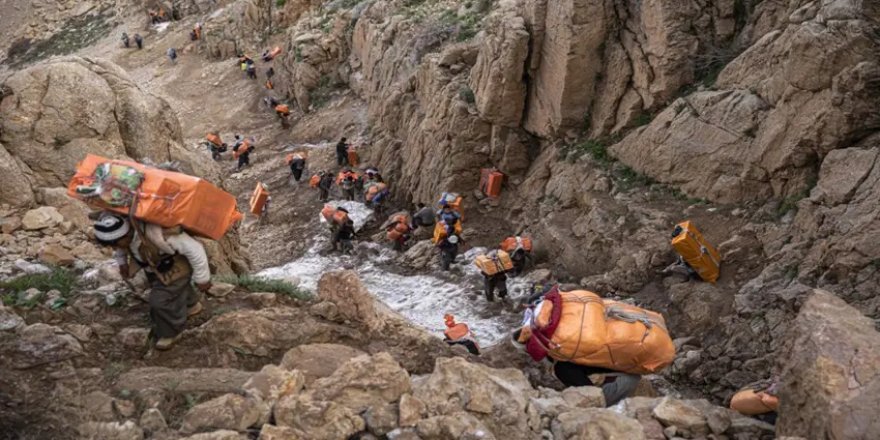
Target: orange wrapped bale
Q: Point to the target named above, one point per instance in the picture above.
(167, 198)
(259, 199)
(490, 182)
(440, 231)
(244, 148)
(752, 403)
(697, 252)
(282, 109)
(333, 215)
(353, 158)
(275, 52)
(314, 181)
(399, 230)
(214, 139)
(608, 334)
(511, 244)
(491, 266)
(375, 190)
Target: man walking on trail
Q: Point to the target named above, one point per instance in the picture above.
(342, 153)
(242, 152)
(139, 40)
(172, 55)
(343, 237)
(172, 260)
(324, 186)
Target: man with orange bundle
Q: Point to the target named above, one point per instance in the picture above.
(171, 258)
(460, 334)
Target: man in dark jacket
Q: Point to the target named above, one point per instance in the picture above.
(297, 165)
(343, 237)
(324, 186)
(342, 152)
(424, 216)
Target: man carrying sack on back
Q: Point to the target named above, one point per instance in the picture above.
(172, 260)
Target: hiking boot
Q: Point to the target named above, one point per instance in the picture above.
(195, 310)
(166, 343)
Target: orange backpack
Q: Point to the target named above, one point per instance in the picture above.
(244, 148)
(511, 244)
(314, 181)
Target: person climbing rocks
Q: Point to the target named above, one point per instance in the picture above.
(251, 70)
(139, 40)
(448, 247)
(196, 33)
(171, 258)
(244, 61)
(615, 385)
(242, 151)
(154, 16)
(125, 40)
(448, 215)
(347, 184)
(283, 113)
(270, 72)
(342, 238)
(172, 55)
(297, 164)
(494, 267)
(324, 186)
(460, 334)
(372, 175)
(398, 229)
(520, 249)
(342, 152)
(424, 216)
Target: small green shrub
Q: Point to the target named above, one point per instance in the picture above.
(467, 95)
(597, 149)
(59, 279)
(280, 3)
(628, 178)
(259, 284)
(320, 95)
(643, 119)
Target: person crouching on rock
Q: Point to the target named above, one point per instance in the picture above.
(460, 334)
(171, 258)
(615, 385)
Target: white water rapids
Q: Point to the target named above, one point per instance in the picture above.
(422, 297)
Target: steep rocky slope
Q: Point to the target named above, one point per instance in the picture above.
(612, 121)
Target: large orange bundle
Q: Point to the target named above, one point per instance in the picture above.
(314, 181)
(440, 231)
(353, 158)
(334, 215)
(214, 139)
(490, 182)
(374, 190)
(697, 252)
(752, 403)
(511, 244)
(166, 198)
(259, 199)
(608, 334)
(491, 266)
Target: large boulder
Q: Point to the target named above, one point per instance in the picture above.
(363, 382)
(318, 360)
(497, 398)
(497, 76)
(40, 344)
(353, 301)
(15, 186)
(596, 424)
(831, 373)
(41, 218)
(229, 411)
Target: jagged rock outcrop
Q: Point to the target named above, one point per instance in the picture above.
(830, 372)
(63, 109)
(801, 91)
(497, 76)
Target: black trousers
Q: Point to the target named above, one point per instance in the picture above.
(168, 306)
